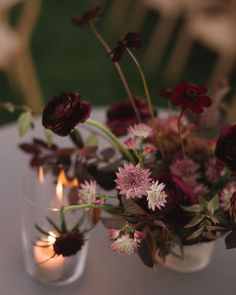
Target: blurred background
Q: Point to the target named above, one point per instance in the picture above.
(43, 54)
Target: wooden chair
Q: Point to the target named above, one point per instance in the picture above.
(15, 54)
(215, 31)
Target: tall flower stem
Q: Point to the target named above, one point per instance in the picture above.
(119, 71)
(114, 139)
(85, 206)
(182, 143)
(147, 92)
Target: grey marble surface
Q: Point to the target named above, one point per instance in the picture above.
(106, 273)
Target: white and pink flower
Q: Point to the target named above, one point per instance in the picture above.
(226, 195)
(156, 196)
(149, 148)
(140, 130)
(133, 181)
(87, 193)
(131, 143)
(125, 243)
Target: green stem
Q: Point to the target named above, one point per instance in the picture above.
(85, 206)
(182, 143)
(147, 93)
(119, 71)
(114, 139)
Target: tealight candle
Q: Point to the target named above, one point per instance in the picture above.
(50, 267)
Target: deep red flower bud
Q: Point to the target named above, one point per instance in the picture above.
(188, 96)
(226, 147)
(68, 244)
(131, 40)
(64, 112)
(87, 17)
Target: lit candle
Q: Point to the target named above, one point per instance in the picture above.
(50, 268)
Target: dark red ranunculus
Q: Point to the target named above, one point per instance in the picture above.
(87, 17)
(178, 192)
(68, 244)
(63, 112)
(121, 115)
(131, 40)
(188, 96)
(226, 147)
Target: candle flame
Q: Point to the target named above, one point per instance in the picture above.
(65, 181)
(51, 238)
(59, 190)
(41, 174)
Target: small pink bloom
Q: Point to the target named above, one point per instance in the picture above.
(140, 130)
(131, 143)
(113, 234)
(132, 181)
(149, 148)
(138, 236)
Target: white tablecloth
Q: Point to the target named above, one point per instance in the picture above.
(106, 273)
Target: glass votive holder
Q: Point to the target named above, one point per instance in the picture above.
(47, 231)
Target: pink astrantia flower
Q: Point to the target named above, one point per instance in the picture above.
(149, 148)
(124, 245)
(156, 196)
(140, 130)
(213, 170)
(113, 234)
(131, 143)
(226, 195)
(132, 181)
(87, 193)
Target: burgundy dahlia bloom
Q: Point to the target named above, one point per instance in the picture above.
(226, 147)
(63, 112)
(188, 96)
(68, 244)
(87, 17)
(121, 115)
(131, 40)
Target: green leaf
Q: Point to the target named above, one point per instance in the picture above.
(213, 204)
(113, 222)
(48, 134)
(192, 209)
(53, 224)
(230, 240)
(209, 235)
(78, 223)
(147, 249)
(92, 140)
(63, 222)
(196, 234)
(196, 220)
(24, 122)
(177, 248)
(41, 230)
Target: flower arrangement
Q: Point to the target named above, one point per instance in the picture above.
(166, 183)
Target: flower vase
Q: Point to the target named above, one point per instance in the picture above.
(196, 257)
(41, 216)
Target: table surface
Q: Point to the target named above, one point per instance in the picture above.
(106, 272)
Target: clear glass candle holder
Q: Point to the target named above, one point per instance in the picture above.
(40, 218)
